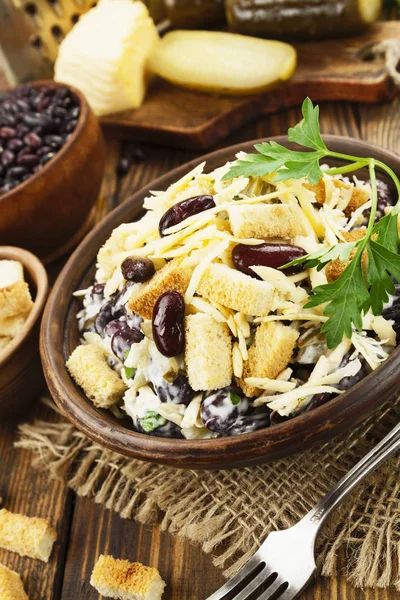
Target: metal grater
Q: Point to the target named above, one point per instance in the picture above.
(30, 32)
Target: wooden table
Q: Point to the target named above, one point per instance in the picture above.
(85, 529)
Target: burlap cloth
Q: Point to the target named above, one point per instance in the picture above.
(229, 513)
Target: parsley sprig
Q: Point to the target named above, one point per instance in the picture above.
(358, 289)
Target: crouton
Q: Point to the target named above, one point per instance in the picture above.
(121, 579)
(11, 586)
(269, 354)
(11, 271)
(89, 368)
(236, 290)
(171, 277)
(208, 352)
(336, 267)
(358, 197)
(15, 299)
(263, 221)
(11, 326)
(28, 536)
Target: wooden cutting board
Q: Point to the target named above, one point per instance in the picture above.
(327, 70)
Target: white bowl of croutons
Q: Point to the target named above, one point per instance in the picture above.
(23, 292)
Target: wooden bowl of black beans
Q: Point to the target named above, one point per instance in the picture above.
(51, 167)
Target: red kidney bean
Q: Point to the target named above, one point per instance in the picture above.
(15, 144)
(168, 324)
(7, 132)
(33, 140)
(182, 210)
(28, 160)
(137, 269)
(266, 255)
(7, 158)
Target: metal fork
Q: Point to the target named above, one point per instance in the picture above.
(284, 564)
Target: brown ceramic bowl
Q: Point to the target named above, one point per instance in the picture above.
(21, 376)
(51, 211)
(59, 337)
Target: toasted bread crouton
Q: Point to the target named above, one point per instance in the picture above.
(269, 354)
(208, 352)
(121, 579)
(28, 536)
(236, 290)
(263, 221)
(11, 326)
(89, 368)
(11, 586)
(15, 299)
(336, 267)
(358, 198)
(171, 277)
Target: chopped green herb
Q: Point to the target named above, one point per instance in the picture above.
(129, 372)
(354, 292)
(151, 421)
(234, 399)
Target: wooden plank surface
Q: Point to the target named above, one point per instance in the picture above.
(85, 529)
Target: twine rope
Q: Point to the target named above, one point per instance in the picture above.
(390, 51)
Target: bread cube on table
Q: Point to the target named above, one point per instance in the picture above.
(123, 580)
(11, 586)
(27, 536)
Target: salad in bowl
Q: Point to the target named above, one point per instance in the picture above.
(246, 295)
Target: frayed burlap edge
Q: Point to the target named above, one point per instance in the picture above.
(229, 513)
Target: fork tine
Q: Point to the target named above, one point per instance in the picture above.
(253, 584)
(272, 589)
(230, 585)
(289, 594)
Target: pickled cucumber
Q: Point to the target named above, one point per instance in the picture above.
(220, 62)
(301, 19)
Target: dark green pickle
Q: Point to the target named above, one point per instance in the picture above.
(195, 14)
(301, 19)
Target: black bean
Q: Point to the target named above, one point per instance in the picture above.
(43, 150)
(46, 157)
(16, 172)
(137, 269)
(124, 164)
(71, 126)
(54, 141)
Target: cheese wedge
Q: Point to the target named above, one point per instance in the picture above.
(105, 55)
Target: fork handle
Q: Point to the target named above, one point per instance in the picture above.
(367, 465)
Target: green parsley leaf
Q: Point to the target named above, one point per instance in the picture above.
(234, 399)
(355, 291)
(321, 257)
(272, 157)
(126, 354)
(307, 133)
(348, 297)
(151, 421)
